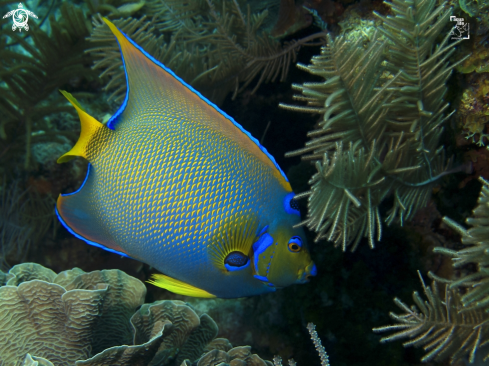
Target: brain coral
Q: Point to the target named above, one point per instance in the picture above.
(98, 319)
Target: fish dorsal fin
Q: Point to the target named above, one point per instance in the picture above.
(153, 89)
(89, 127)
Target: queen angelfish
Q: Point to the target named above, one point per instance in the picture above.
(176, 183)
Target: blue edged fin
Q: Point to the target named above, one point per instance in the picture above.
(150, 85)
(78, 217)
(89, 129)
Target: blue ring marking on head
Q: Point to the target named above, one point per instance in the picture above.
(86, 240)
(84, 181)
(287, 205)
(111, 122)
(314, 270)
(260, 246)
(262, 231)
(234, 268)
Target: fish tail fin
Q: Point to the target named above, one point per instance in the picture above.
(178, 287)
(89, 127)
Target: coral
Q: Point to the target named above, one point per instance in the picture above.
(454, 325)
(382, 112)
(30, 73)
(32, 67)
(478, 60)
(113, 8)
(317, 343)
(95, 318)
(327, 11)
(441, 325)
(212, 45)
(25, 216)
(476, 8)
(477, 241)
(277, 361)
(237, 356)
(473, 110)
(355, 27)
(291, 18)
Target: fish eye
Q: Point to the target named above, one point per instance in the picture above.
(295, 244)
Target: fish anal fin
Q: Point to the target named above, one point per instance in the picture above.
(89, 128)
(178, 287)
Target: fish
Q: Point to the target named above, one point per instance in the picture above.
(176, 183)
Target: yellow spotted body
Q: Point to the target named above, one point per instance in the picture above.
(175, 183)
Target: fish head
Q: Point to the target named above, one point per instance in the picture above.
(281, 256)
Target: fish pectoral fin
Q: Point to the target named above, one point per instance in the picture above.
(177, 286)
(89, 127)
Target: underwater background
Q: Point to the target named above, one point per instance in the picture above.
(372, 141)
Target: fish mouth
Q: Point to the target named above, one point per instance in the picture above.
(309, 272)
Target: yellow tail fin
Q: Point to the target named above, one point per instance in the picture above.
(89, 127)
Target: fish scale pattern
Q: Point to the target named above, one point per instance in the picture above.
(176, 183)
(165, 192)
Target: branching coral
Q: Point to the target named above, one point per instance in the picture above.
(213, 45)
(277, 361)
(458, 325)
(31, 72)
(381, 122)
(442, 326)
(476, 238)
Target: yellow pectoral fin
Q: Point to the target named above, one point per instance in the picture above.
(177, 286)
(89, 127)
